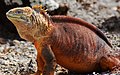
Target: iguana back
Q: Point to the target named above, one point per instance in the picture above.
(64, 19)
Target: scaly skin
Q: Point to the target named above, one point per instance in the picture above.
(72, 43)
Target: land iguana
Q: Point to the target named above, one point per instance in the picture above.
(70, 42)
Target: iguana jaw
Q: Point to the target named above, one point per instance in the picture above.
(15, 18)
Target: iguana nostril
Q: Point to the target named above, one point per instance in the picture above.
(8, 13)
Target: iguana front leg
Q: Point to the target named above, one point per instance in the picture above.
(40, 65)
(49, 59)
(45, 60)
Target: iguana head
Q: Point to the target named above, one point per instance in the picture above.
(30, 22)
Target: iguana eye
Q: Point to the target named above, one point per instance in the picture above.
(19, 12)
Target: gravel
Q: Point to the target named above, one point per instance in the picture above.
(18, 59)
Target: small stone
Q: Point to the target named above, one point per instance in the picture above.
(16, 42)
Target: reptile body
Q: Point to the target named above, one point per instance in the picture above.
(72, 43)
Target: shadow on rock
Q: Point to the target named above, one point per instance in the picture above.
(112, 24)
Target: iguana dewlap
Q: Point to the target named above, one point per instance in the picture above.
(71, 42)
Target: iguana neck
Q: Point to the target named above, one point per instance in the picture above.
(42, 25)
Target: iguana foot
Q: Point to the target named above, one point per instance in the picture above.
(116, 69)
(110, 63)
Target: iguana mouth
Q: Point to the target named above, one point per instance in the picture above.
(14, 17)
(18, 18)
(11, 16)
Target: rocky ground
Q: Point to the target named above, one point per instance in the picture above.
(17, 56)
